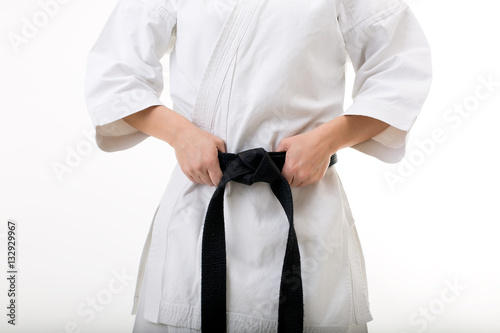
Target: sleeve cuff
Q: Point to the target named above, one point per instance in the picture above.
(112, 132)
(390, 145)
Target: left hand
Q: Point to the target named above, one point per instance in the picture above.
(307, 158)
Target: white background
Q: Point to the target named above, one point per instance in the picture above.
(436, 227)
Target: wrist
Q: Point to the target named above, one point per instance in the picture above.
(330, 135)
(348, 130)
(160, 122)
(175, 126)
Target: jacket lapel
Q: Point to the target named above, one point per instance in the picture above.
(224, 52)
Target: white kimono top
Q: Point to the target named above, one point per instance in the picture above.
(254, 72)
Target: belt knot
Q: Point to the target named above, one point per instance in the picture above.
(251, 166)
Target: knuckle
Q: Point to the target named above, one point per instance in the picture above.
(290, 169)
(197, 166)
(302, 174)
(189, 170)
(208, 160)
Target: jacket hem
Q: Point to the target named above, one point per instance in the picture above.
(189, 317)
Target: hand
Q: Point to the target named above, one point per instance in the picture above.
(196, 150)
(197, 154)
(307, 158)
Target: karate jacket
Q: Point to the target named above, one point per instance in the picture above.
(254, 72)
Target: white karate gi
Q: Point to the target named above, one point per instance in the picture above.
(254, 72)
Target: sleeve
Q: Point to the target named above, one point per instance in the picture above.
(124, 73)
(392, 62)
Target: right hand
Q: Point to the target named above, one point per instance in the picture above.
(196, 151)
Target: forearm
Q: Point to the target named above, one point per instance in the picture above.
(348, 130)
(196, 150)
(159, 122)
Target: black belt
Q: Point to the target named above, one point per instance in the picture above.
(248, 167)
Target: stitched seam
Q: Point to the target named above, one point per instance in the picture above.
(163, 11)
(377, 17)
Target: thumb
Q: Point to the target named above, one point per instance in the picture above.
(221, 146)
(283, 145)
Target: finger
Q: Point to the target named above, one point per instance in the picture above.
(287, 171)
(306, 182)
(286, 174)
(191, 178)
(196, 178)
(214, 170)
(215, 174)
(300, 182)
(221, 146)
(282, 146)
(205, 177)
(201, 176)
(296, 182)
(189, 175)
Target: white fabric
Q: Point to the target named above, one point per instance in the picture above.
(141, 325)
(254, 72)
